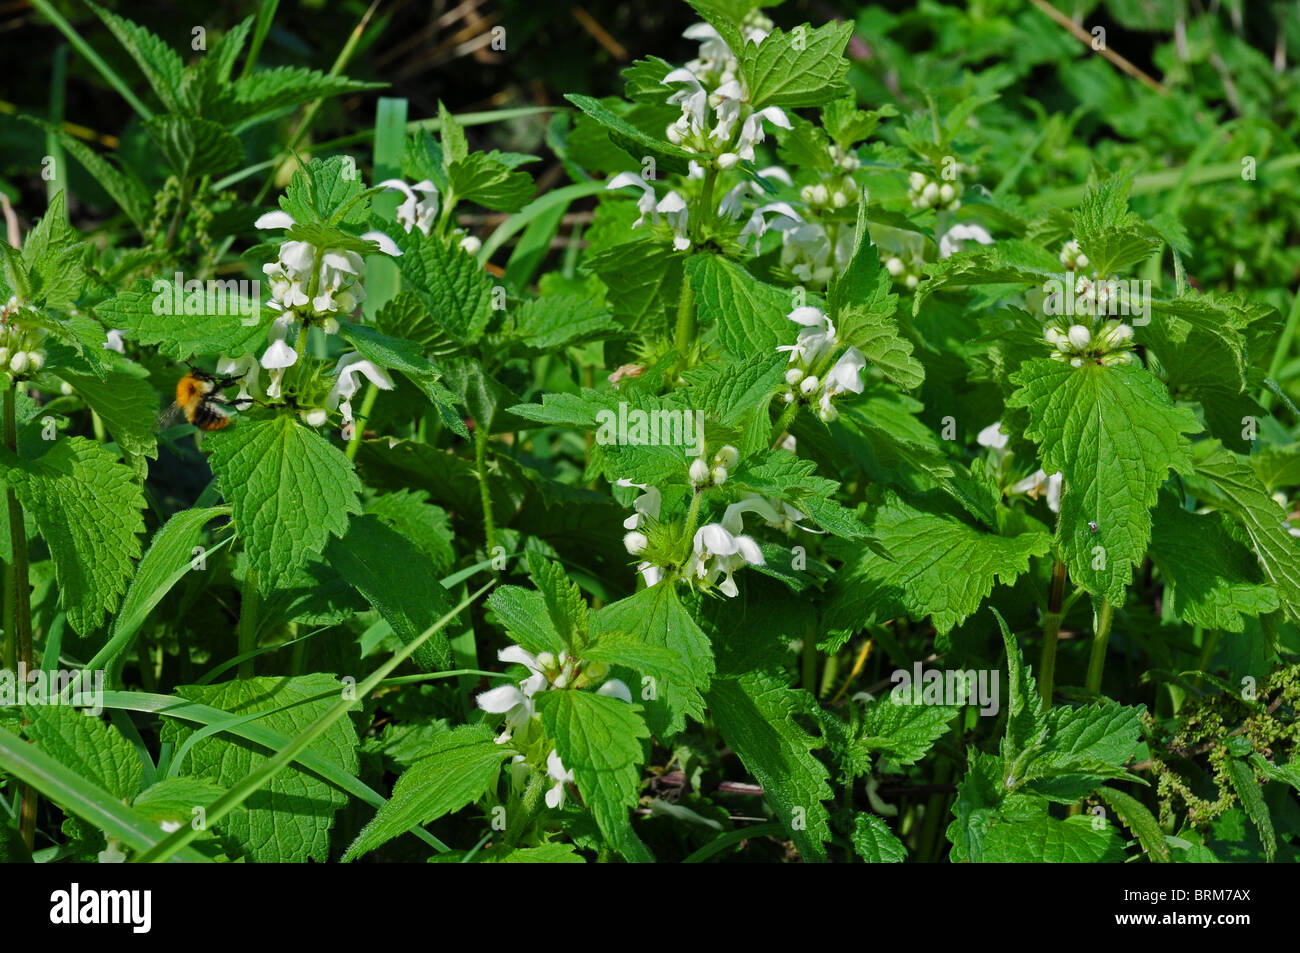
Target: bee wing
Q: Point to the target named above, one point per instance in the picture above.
(173, 415)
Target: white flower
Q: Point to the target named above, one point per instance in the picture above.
(635, 543)
(556, 771)
(415, 212)
(1038, 482)
(1079, 336)
(718, 552)
(114, 342)
(992, 436)
(247, 369)
(471, 245)
(275, 220)
(346, 384)
(846, 375)
(615, 688)
(673, 207)
(951, 242)
(699, 472)
(646, 203)
(816, 338)
(516, 703)
(278, 358)
(647, 504)
(386, 244)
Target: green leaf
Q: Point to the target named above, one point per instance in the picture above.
(194, 146)
(159, 62)
(458, 769)
(1046, 840)
(749, 315)
(755, 714)
(875, 842)
(1211, 579)
(638, 144)
(211, 320)
(425, 525)
(449, 281)
(556, 321)
(658, 618)
(522, 613)
(250, 98)
(1026, 722)
(1115, 434)
(124, 188)
(804, 67)
(937, 565)
(1242, 778)
(598, 738)
(91, 747)
(564, 602)
(901, 731)
(289, 820)
(482, 178)
(1112, 237)
(88, 509)
(326, 192)
(1240, 494)
(290, 488)
(128, 405)
(410, 600)
(1134, 815)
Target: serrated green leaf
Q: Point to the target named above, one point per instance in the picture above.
(1134, 815)
(92, 748)
(211, 320)
(1115, 434)
(290, 489)
(193, 146)
(901, 731)
(1046, 840)
(458, 768)
(875, 842)
(482, 178)
(128, 405)
(326, 192)
(804, 67)
(161, 64)
(749, 315)
(449, 281)
(638, 144)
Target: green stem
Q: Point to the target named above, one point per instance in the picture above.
(784, 422)
(704, 212)
(367, 405)
(484, 490)
(529, 805)
(809, 661)
(685, 333)
(1097, 663)
(248, 609)
(1209, 644)
(1051, 635)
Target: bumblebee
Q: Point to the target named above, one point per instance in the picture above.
(199, 398)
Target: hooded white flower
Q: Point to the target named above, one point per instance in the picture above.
(992, 436)
(815, 340)
(1037, 483)
(647, 504)
(646, 203)
(115, 342)
(718, 552)
(247, 369)
(673, 207)
(844, 377)
(561, 776)
(417, 211)
(346, 383)
(952, 240)
(278, 358)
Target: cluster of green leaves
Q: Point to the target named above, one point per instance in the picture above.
(298, 664)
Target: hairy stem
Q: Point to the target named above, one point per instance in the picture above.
(367, 405)
(1097, 663)
(529, 805)
(684, 337)
(1051, 633)
(248, 609)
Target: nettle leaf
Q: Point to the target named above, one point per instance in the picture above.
(1239, 493)
(1134, 815)
(937, 565)
(901, 731)
(804, 67)
(657, 616)
(459, 767)
(1083, 747)
(563, 599)
(598, 738)
(749, 314)
(157, 59)
(755, 713)
(94, 749)
(875, 842)
(327, 192)
(250, 98)
(637, 143)
(126, 402)
(1212, 580)
(449, 281)
(555, 321)
(1115, 434)
(1011, 262)
(290, 488)
(1026, 722)
(524, 616)
(1112, 236)
(1046, 840)
(406, 358)
(89, 510)
(214, 319)
(406, 316)
(288, 820)
(427, 526)
(193, 146)
(411, 600)
(122, 186)
(642, 277)
(482, 178)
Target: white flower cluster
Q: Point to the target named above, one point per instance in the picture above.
(714, 473)
(1072, 258)
(316, 283)
(1109, 346)
(719, 549)
(812, 347)
(905, 272)
(928, 192)
(419, 209)
(547, 671)
(22, 347)
(716, 63)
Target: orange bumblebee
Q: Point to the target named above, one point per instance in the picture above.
(199, 398)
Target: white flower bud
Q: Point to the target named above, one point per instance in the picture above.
(917, 181)
(471, 244)
(719, 475)
(809, 386)
(37, 360)
(793, 376)
(838, 199)
(728, 456)
(728, 160)
(819, 194)
(18, 363)
(1054, 337)
(66, 389)
(674, 135)
(314, 417)
(1080, 336)
(699, 472)
(330, 325)
(911, 281)
(1076, 362)
(635, 543)
(828, 414)
(894, 266)
(947, 193)
(1081, 261)
(930, 193)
